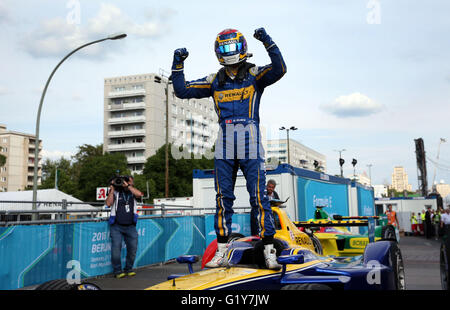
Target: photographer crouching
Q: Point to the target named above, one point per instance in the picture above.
(123, 218)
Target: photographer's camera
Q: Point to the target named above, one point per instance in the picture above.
(119, 181)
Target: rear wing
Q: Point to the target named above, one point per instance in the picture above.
(369, 222)
(340, 217)
(332, 223)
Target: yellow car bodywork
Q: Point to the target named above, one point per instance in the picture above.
(220, 278)
(329, 241)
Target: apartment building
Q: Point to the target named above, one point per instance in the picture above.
(135, 119)
(301, 156)
(18, 148)
(400, 180)
(443, 189)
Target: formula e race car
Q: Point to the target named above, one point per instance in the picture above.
(304, 267)
(338, 240)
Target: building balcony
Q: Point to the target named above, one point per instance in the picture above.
(136, 160)
(127, 133)
(32, 146)
(126, 146)
(125, 120)
(127, 106)
(126, 93)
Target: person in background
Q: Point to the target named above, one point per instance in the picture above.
(419, 223)
(437, 223)
(392, 217)
(270, 187)
(122, 221)
(427, 226)
(445, 222)
(414, 224)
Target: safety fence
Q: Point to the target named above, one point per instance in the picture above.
(31, 254)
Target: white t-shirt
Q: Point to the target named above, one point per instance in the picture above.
(445, 218)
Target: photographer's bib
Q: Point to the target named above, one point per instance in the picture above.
(124, 204)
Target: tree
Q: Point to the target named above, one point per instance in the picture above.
(96, 171)
(87, 170)
(180, 173)
(67, 181)
(140, 182)
(394, 193)
(85, 152)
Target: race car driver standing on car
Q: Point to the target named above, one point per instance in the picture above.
(236, 90)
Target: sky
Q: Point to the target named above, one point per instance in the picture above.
(367, 76)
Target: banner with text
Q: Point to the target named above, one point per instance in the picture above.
(35, 254)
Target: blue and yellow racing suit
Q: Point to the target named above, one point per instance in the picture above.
(237, 99)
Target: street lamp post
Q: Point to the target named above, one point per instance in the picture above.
(287, 132)
(38, 119)
(341, 161)
(158, 80)
(354, 162)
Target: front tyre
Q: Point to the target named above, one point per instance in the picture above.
(388, 233)
(397, 266)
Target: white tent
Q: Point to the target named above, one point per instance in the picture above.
(48, 199)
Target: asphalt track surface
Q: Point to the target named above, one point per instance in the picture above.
(420, 257)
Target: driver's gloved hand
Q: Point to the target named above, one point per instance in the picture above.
(261, 35)
(179, 56)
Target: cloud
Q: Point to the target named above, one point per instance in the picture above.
(353, 105)
(58, 36)
(55, 155)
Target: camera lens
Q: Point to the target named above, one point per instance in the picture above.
(118, 181)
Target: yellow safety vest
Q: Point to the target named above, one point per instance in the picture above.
(437, 218)
(423, 216)
(413, 220)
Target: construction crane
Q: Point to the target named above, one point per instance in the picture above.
(421, 166)
(442, 140)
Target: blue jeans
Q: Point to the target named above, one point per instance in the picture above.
(130, 235)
